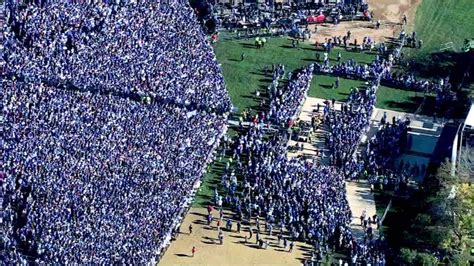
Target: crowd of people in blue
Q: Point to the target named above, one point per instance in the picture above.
(113, 110)
(111, 114)
(347, 126)
(125, 48)
(302, 200)
(285, 103)
(383, 149)
(351, 69)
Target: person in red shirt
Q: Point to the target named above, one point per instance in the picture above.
(193, 251)
(209, 209)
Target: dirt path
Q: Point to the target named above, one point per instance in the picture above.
(234, 251)
(390, 14)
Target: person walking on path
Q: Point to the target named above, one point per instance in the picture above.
(221, 237)
(190, 229)
(193, 251)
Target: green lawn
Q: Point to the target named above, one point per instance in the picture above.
(387, 98)
(398, 100)
(322, 87)
(442, 21)
(210, 182)
(244, 78)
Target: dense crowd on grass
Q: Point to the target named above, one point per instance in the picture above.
(109, 124)
(287, 102)
(147, 48)
(103, 178)
(347, 126)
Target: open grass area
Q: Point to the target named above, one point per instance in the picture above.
(398, 100)
(387, 98)
(442, 21)
(322, 86)
(244, 78)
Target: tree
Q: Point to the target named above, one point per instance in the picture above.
(408, 256)
(465, 168)
(451, 204)
(413, 257)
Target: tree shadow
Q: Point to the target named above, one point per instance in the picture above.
(409, 106)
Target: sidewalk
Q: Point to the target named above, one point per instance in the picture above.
(360, 198)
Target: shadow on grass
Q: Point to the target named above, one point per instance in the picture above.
(326, 86)
(308, 49)
(248, 46)
(409, 106)
(265, 80)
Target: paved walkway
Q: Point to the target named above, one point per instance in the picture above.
(358, 194)
(360, 199)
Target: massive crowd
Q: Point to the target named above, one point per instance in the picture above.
(304, 201)
(147, 48)
(104, 177)
(111, 114)
(347, 126)
(384, 147)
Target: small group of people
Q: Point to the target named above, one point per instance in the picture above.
(260, 42)
(367, 44)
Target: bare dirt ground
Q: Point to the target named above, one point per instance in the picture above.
(390, 14)
(234, 251)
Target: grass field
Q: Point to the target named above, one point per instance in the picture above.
(441, 21)
(211, 180)
(244, 78)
